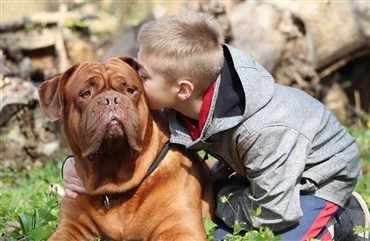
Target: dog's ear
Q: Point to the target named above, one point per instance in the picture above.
(50, 100)
(130, 61)
(51, 94)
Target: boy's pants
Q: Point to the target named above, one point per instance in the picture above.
(316, 222)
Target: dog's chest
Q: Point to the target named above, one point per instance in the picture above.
(129, 217)
(121, 222)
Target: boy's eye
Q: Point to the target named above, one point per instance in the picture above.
(143, 77)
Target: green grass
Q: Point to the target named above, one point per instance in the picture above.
(29, 206)
(29, 210)
(362, 133)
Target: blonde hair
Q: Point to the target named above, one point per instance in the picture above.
(187, 44)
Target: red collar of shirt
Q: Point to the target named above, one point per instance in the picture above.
(195, 127)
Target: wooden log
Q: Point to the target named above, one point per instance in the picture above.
(333, 29)
(27, 40)
(42, 18)
(296, 40)
(59, 40)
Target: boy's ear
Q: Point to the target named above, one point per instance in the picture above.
(185, 90)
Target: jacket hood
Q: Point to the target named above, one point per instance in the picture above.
(242, 89)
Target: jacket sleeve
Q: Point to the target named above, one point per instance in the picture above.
(274, 159)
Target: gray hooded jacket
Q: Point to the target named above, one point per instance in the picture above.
(283, 141)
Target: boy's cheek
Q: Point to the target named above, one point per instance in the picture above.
(147, 94)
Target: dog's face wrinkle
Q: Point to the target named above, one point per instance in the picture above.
(86, 85)
(100, 112)
(126, 86)
(103, 121)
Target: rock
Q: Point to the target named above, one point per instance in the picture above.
(11, 226)
(124, 41)
(80, 51)
(337, 101)
(26, 135)
(250, 23)
(15, 93)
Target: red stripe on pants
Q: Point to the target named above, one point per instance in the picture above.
(321, 220)
(326, 237)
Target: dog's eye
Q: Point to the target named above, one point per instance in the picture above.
(133, 93)
(86, 94)
(130, 90)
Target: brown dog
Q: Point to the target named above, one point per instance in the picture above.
(137, 190)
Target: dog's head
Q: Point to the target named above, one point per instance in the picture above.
(102, 104)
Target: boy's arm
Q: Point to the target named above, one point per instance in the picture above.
(71, 180)
(274, 160)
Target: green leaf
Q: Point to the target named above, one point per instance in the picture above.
(209, 226)
(251, 236)
(26, 223)
(257, 212)
(46, 215)
(228, 236)
(237, 228)
(359, 229)
(41, 233)
(223, 199)
(268, 234)
(34, 218)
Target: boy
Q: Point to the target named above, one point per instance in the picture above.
(278, 148)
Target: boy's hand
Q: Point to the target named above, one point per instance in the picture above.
(72, 182)
(220, 171)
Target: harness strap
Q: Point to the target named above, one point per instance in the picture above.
(158, 159)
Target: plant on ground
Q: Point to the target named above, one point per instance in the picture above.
(240, 234)
(29, 203)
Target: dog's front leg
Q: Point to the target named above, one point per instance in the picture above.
(76, 220)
